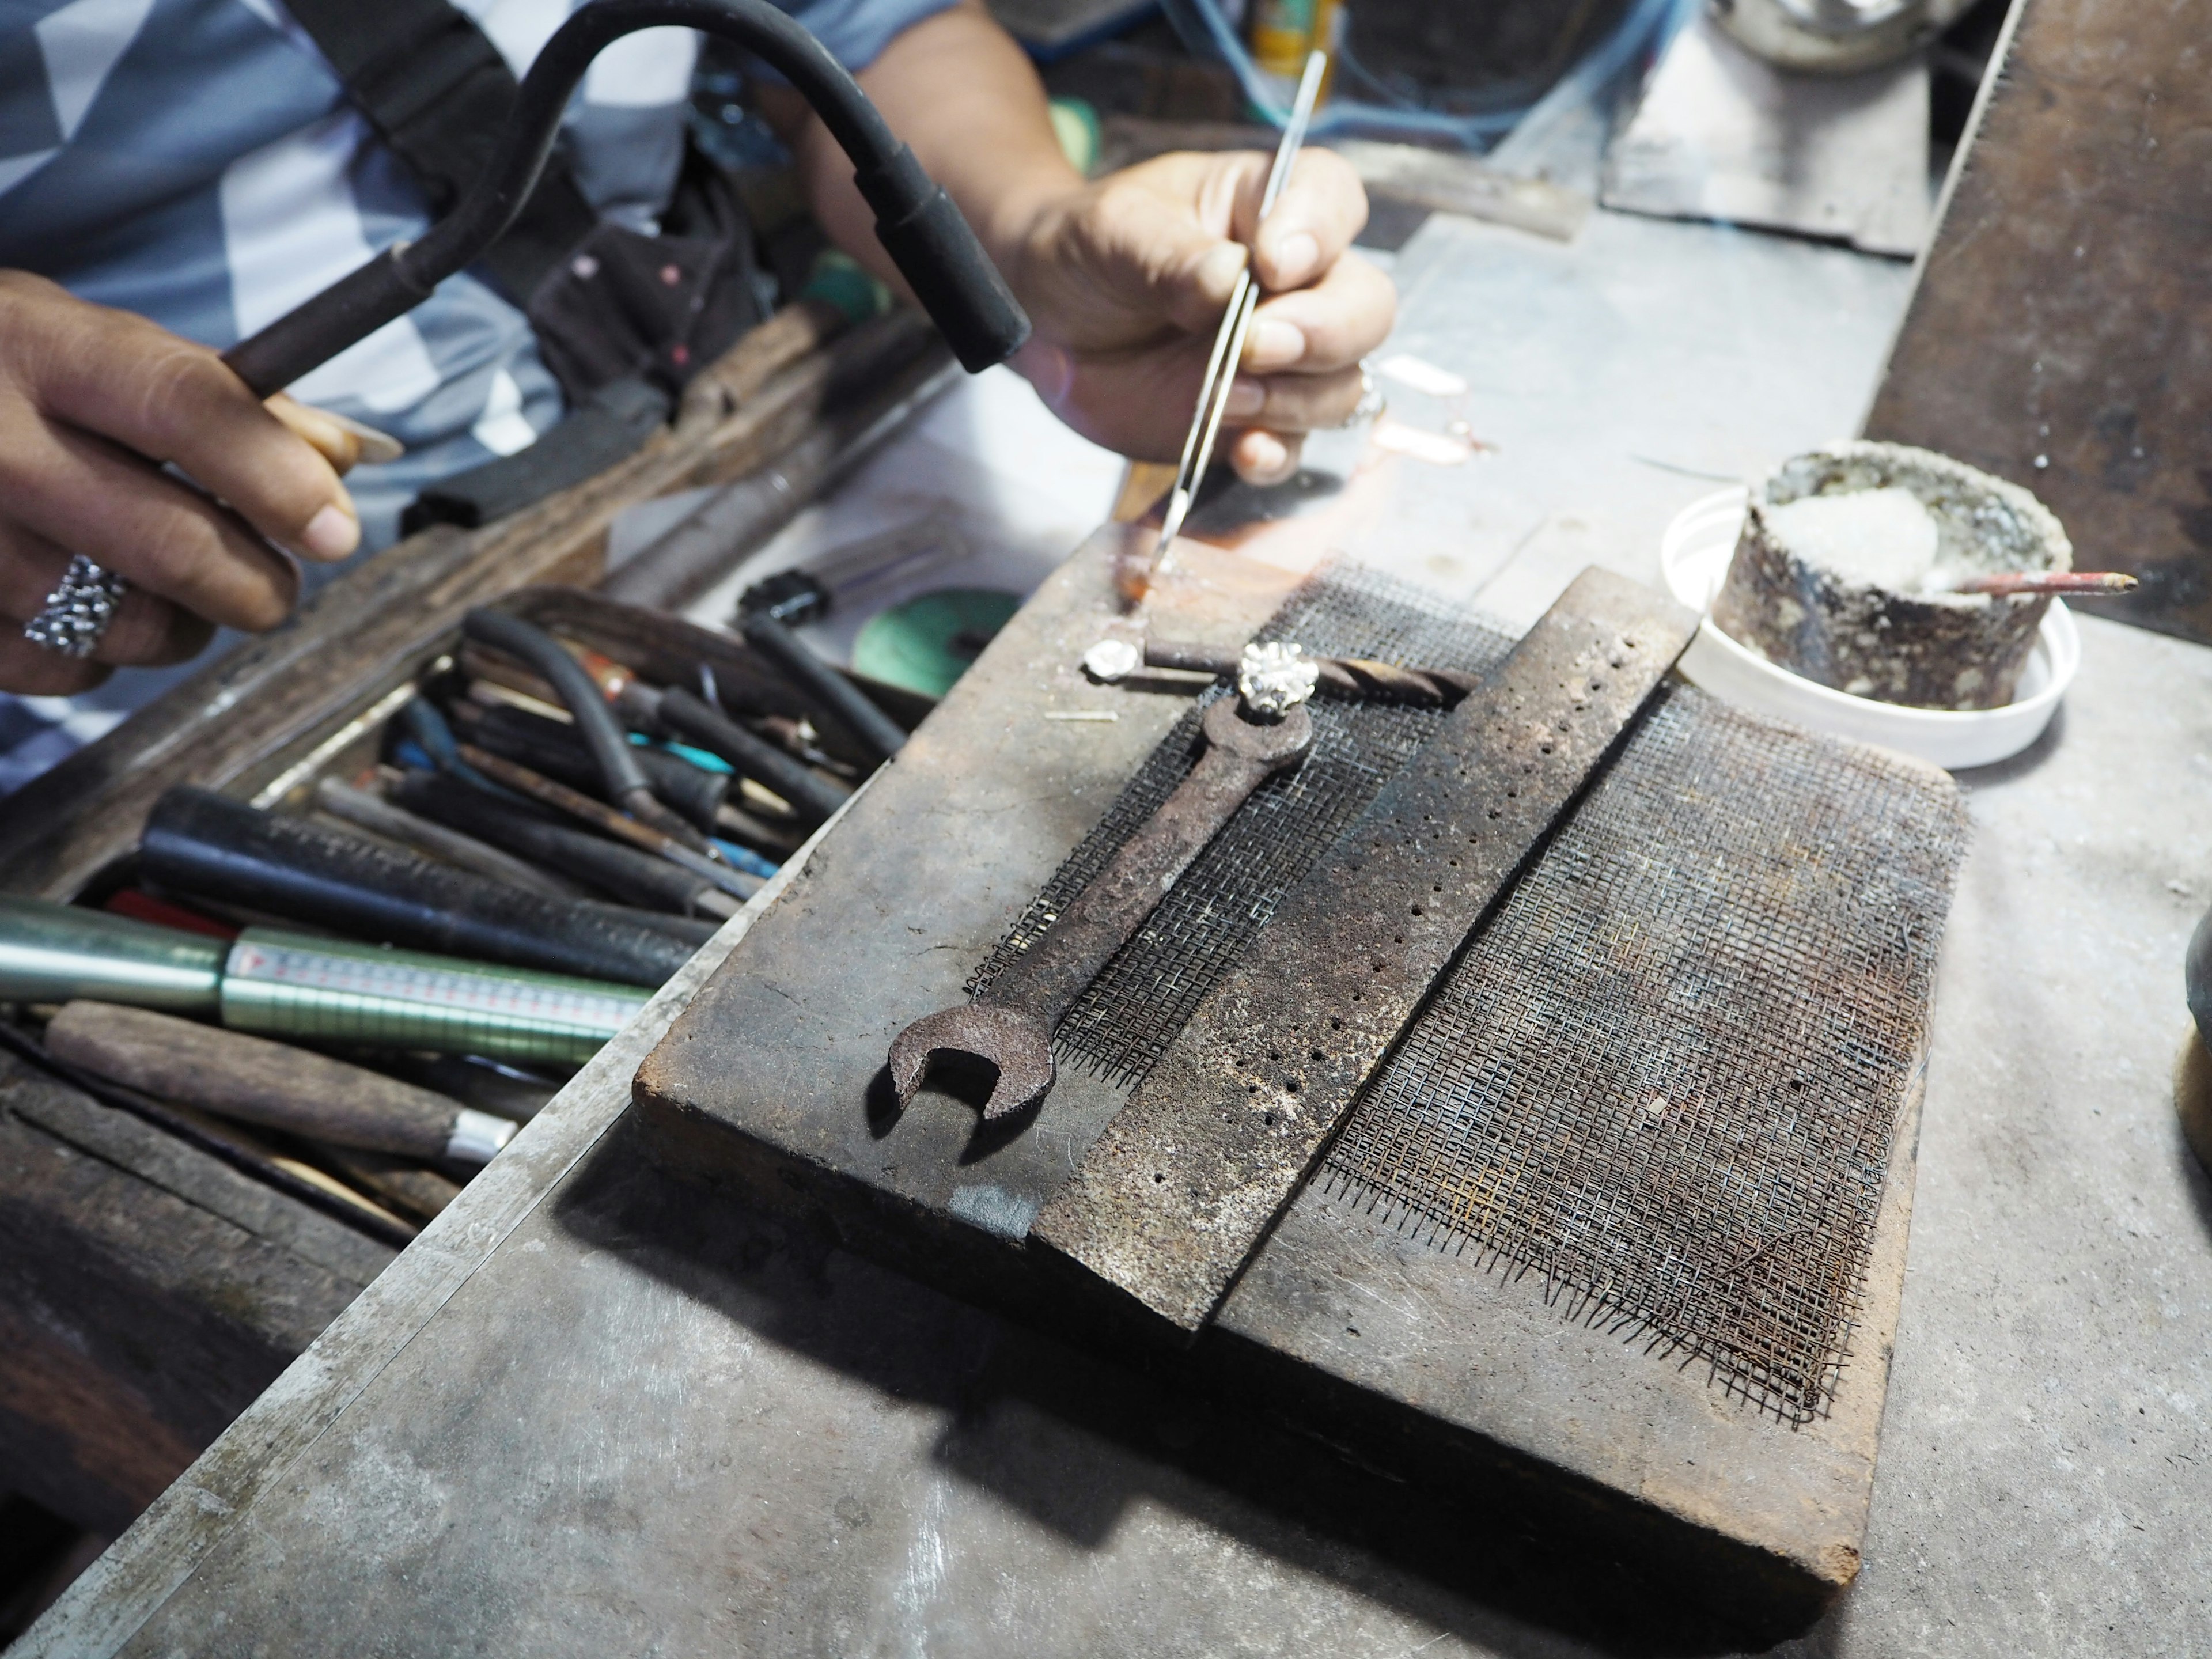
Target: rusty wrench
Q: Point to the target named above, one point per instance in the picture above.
(1009, 1022)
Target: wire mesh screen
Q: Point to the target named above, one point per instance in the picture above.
(1666, 1074)
(1146, 994)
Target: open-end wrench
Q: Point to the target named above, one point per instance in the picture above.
(1009, 1022)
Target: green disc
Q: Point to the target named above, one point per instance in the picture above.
(926, 643)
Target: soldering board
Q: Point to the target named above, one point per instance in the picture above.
(1619, 1227)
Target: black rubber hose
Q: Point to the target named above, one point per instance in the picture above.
(547, 746)
(697, 720)
(624, 873)
(621, 775)
(198, 842)
(877, 732)
(917, 223)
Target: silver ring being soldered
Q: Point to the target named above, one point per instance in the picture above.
(1371, 402)
(78, 611)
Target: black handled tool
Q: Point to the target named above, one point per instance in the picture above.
(621, 773)
(547, 746)
(634, 877)
(198, 842)
(767, 615)
(916, 222)
(696, 721)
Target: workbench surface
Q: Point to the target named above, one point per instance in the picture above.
(582, 1414)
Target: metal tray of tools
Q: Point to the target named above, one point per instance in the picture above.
(1617, 1231)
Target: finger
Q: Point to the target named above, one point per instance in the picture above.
(1329, 326)
(174, 402)
(1264, 457)
(31, 671)
(331, 441)
(145, 630)
(1295, 403)
(1136, 402)
(82, 494)
(1323, 207)
(343, 442)
(1156, 239)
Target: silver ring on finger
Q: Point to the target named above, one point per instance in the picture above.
(1371, 402)
(78, 611)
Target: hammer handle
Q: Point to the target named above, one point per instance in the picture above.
(253, 1080)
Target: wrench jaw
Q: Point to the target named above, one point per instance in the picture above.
(1271, 745)
(1018, 1044)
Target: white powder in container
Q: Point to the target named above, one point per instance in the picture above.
(1880, 538)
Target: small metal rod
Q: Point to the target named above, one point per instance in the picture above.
(600, 815)
(1228, 351)
(2078, 584)
(1348, 676)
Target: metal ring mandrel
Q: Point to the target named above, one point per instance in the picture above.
(295, 986)
(77, 614)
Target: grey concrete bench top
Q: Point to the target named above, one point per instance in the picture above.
(584, 1413)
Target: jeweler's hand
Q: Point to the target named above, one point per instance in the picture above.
(92, 403)
(1126, 279)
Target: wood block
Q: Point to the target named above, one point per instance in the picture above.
(148, 1293)
(1350, 1321)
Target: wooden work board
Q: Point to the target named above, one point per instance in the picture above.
(2061, 333)
(1414, 1358)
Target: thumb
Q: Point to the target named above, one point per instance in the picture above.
(1151, 246)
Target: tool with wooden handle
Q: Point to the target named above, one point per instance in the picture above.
(270, 1083)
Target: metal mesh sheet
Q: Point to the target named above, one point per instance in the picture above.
(1666, 1074)
(1147, 993)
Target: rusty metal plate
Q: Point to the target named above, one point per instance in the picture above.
(1171, 1200)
